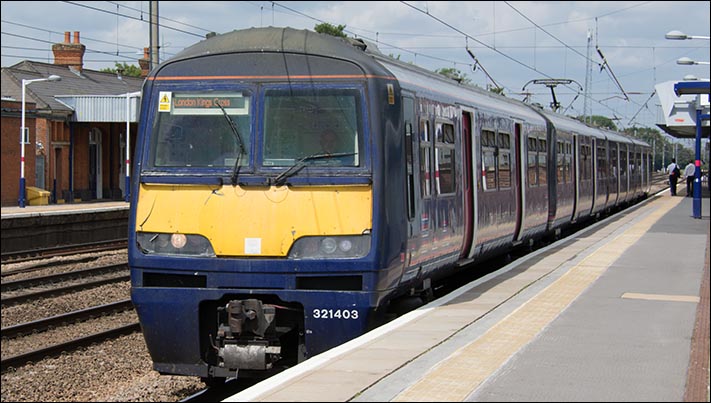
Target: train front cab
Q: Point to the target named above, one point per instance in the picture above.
(274, 250)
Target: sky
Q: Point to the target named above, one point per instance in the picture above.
(514, 42)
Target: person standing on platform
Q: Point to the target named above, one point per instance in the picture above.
(673, 170)
(690, 174)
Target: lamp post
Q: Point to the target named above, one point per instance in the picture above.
(25, 134)
(128, 139)
(678, 35)
(685, 61)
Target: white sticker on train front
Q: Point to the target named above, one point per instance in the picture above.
(252, 246)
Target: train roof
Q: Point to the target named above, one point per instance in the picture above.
(568, 123)
(363, 53)
(370, 59)
(562, 122)
(278, 40)
(419, 79)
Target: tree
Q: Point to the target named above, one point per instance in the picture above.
(328, 29)
(497, 90)
(600, 121)
(454, 74)
(128, 70)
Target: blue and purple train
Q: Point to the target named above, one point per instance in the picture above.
(290, 188)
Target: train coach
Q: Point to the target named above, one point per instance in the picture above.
(291, 189)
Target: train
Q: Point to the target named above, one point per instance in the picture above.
(292, 189)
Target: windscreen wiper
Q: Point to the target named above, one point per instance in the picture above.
(233, 126)
(301, 163)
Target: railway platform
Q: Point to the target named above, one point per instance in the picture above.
(33, 228)
(617, 312)
(56, 209)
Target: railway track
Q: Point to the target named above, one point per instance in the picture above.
(64, 319)
(68, 331)
(41, 353)
(43, 281)
(59, 277)
(64, 250)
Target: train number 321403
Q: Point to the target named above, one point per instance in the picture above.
(335, 314)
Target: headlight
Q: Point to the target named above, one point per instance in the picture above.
(174, 244)
(330, 247)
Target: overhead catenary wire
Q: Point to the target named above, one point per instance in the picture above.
(417, 52)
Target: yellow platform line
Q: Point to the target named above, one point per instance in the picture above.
(463, 371)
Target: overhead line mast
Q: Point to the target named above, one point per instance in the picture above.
(588, 80)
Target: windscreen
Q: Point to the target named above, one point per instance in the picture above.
(315, 126)
(201, 129)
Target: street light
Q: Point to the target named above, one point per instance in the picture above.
(685, 61)
(127, 186)
(25, 134)
(678, 35)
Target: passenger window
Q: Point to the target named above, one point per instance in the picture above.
(488, 158)
(542, 163)
(601, 163)
(560, 161)
(445, 159)
(504, 161)
(425, 160)
(532, 162)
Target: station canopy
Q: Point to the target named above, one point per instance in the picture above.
(678, 99)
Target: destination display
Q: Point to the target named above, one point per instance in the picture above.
(203, 104)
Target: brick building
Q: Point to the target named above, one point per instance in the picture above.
(77, 127)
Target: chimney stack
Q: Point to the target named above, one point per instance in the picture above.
(69, 54)
(145, 62)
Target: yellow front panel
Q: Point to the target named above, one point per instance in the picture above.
(254, 222)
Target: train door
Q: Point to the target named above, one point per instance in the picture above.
(601, 170)
(496, 200)
(447, 204)
(520, 185)
(584, 176)
(469, 172)
(614, 172)
(421, 227)
(576, 177)
(408, 104)
(624, 178)
(414, 204)
(594, 173)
